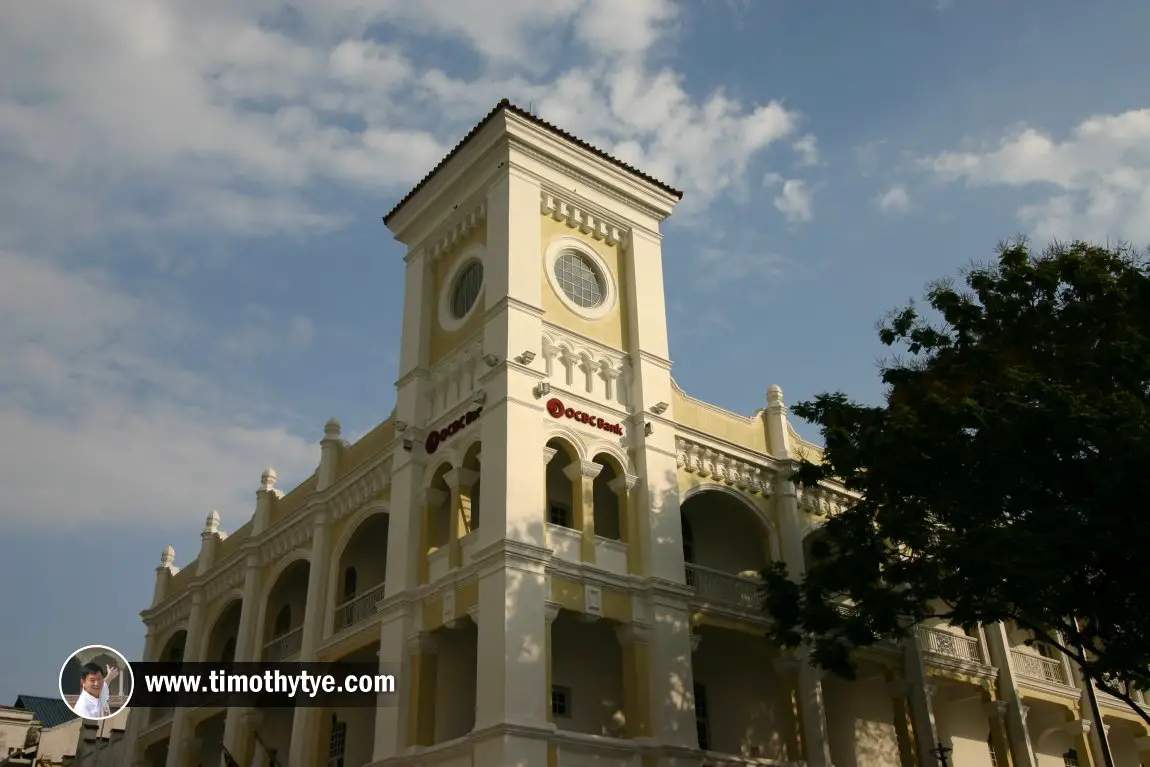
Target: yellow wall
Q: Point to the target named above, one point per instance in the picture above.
(612, 329)
(443, 342)
(730, 427)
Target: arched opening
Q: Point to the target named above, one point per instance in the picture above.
(349, 584)
(608, 509)
(439, 509)
(560, 488)
(361, 571)
(225, 629)
(283, 632)
(228, 654)
(726, 545)
(171, 652)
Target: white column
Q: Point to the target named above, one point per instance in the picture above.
(657, 496)
(511, 667)
(391, 719)
(1016, 731)
(921, 695)
(180, 728)
(305, 721)
(809, 687)
(672, 677)
(235, 735)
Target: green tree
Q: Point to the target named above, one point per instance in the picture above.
(1006, 477)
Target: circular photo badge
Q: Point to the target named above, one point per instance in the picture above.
(96, 682)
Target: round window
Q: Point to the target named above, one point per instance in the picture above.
(579, 279)
(467, 287)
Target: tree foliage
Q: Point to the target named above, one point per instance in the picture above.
(1006, 476)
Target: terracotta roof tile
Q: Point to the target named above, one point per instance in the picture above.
(507, 105)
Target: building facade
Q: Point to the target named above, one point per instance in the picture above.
(556, 544)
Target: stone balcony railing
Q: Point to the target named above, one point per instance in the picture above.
(724, 589)
(284, 646)
(1038, 668)
(936, 641)
(358, 609)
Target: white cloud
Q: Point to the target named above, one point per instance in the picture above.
(894, 200)
(794, 201)
(807, 149)
(125, 119)
(103, 425)
(1096, 181)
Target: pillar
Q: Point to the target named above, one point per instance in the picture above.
(582, 475)
(1019, 737)
(423, 652)
(671, 680)
(429, 503)
(996, 712)
(623, 486)
(921, 699)
(511, 664)
(305, 730)
(551, 613)
(459, 482)
(635, 639)
(177, 756)
(813, 713)
(395, 657)
(236, 736)
(900, 692)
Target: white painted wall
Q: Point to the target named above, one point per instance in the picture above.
(455, 683)
(860, 723)
(743, 694)
(588, 659)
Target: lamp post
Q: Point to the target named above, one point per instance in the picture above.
(940, 753)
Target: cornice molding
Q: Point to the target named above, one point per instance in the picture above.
(721, 466)
(583, 217)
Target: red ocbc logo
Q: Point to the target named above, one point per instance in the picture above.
(439, 436)
(556, 410)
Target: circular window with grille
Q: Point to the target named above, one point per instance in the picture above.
(461, 289)
(580, 277)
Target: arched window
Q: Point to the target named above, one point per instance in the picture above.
(688, 541)
(283, 621)
(349, 583)
(228, 654)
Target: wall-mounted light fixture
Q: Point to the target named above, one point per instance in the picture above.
(648, 429)
(408, 444)
(480, 397)
(659, 408)
(542, 389)
(401, 426)
(491, 360)
(525, 358)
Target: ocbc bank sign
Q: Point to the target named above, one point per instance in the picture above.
(441, 435)
(556, 409)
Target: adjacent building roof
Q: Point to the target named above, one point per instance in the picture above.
(49, 711)
(507, 105)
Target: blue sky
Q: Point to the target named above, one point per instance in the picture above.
(194, 276)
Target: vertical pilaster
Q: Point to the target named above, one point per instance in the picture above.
(786, 672)
(1017, 733)
(392, 719)
(813, 710)
(635, 640)
(921, 697)
(900, 692)
(551, 612)
(305, 729)
(672, 717)
(428, 504)
(582, 475)
(628, 523)
(181, 729)
(138, 716)
(459, 482)
(235, 735)
(996, 712)
(424, 654)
